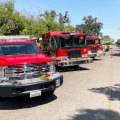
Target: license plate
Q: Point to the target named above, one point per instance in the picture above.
(35, 93)
(58, 82)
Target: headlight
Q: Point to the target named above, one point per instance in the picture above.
(52, 67)
(89, 52)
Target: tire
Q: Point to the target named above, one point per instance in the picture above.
(93, 58)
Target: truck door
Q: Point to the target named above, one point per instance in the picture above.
(53, 47)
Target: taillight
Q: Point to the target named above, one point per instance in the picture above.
(39, 68)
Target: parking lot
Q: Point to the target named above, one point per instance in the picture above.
(88, 93)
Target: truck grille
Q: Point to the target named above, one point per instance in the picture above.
(94, 50)
(21, 72)
(74, 54)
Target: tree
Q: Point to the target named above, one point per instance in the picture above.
(48, 14)
(56, 21)
(69, 28)
(106, 37)
(64, 18)
(29, 24)
(11, 22)
(91, 26)
(50, 18)
(118, 42)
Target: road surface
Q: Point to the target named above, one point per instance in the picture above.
(91, 92)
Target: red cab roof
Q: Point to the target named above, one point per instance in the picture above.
(57, 33)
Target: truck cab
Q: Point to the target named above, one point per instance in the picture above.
(24, 69)
(66, 48)
(94, 47)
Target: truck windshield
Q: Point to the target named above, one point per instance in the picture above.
(97, 41)
(90, 42)
(71, 41)
(93, 42)
(78, 41)
(12, 49)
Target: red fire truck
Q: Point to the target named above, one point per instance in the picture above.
(66, 48)
(24, 69)
(94, 46)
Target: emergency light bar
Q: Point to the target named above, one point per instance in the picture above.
(73, 32)
(69, 32)
(17, 38)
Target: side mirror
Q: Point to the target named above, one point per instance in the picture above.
(48, 52)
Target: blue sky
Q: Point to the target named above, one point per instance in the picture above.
(107, 11)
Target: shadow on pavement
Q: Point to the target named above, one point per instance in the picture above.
(70, 69)
(117, 50)
(112, 92)
(116, 54)
(25, 102)
(97, 114)
(97, 59)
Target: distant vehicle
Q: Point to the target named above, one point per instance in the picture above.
(24, 69)
(94, 46)
(66, 48)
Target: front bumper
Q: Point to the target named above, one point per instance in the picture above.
(100, 54)
(92, 55)
(15, 90)
(72, 62)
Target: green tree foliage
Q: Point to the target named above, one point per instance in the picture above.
(118, 42)
(106, 37)
(69, 28)
(54, 21)
(47, 21)
(11, 22)
(34, 27)
(91, 26)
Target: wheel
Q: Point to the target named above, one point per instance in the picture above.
(93, 58)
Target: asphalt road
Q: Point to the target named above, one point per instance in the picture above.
(91, 92)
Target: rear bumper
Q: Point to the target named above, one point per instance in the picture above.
(22, 90)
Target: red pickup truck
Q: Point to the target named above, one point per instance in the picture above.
(25, 70)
